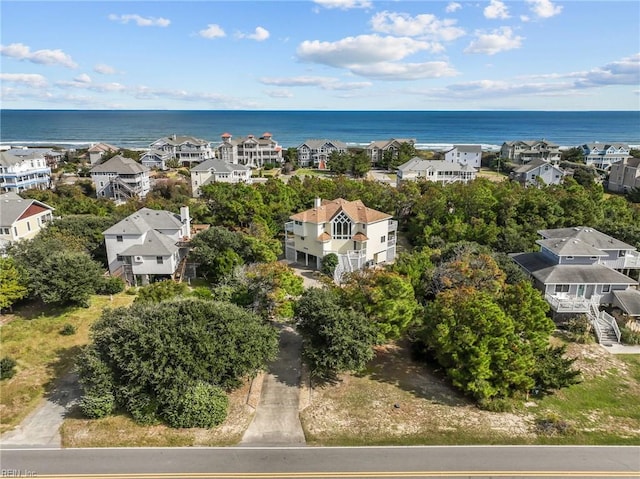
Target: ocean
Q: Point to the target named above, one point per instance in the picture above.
(134, 129)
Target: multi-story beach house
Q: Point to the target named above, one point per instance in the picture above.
(538, 173)
(250, 151)
(580, 268)
(470, 155)
(120, 178)
(23, 169)
(21, 218)
(316, 153)
(217, 171)
(155, 159)
(185, 149)
(439, 171)
(379, 150)
(624, 176)
(358, 235)
(603, 155)
(149, 243)
(98, 151)
(524, 151)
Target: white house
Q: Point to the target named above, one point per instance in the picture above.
(251, 151)
(624, 175)
(524, 151)
(316, 153)
(217, 171)
(470, 155)
(21, 169)
(120, 178)
(148, 243)
(603, 155)
(21, 218)
(186, 149)
(378, 150)
(358, 235)
(155, 159)
(538, 173)
(439, 171)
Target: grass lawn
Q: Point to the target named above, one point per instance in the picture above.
(492, 175)
(32, 337)
(311, 172)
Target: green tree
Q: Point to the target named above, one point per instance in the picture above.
(329, 263)
(13, 283)
(274, 287)
(147, 359)
(554, 371)
(161, 291)
(360, 164)
(339, 163)
(574, 155)
(335, 338)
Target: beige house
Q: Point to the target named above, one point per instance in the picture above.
(250, 151)
(21, 218)
(358, 235)
(625, 175)
(217, 171)
(377, 150)
(185, 149)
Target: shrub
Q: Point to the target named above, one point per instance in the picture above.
(329, 263)
(112, 285)
(553, 425)
(579, 329)
(200, 405)
(96, 404)
(202, 292)
(7, 367)
(68, 329)
(629, 336)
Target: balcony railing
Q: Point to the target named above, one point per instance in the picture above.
(568, 304)
(393, 225)
(391, 241)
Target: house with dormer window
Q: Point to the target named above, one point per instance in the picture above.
(358, 235)
(185, 149)
(378, 150)
(603, 155)
(316, 153)
(251, 151)
(538, 173)
(524, 151)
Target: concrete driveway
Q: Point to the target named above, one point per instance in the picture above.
(277, 422)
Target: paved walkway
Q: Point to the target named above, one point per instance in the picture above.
(277, 421)
(42, 427)
(621, 348)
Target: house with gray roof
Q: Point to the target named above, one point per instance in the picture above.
(149, 243)
(578, 269)
(120, 178)
(624, 176)
(524, 151)
(316, 152)
(155, 159)
(378, 150)
(217, 171)
(439, 171)
(23, 169)
(538, 173)
(465, 155)
(603, 155)
(251, 151)
(21, 218)
(185, 149)
(97, 151)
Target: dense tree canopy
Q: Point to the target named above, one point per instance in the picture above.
(13, 283)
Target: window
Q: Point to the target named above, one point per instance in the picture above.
(119, 239)
(5, 231)
(606, 288)
(119, 258)
(383, 239)
(298, 223)
(341, 226)
(28, 226)
(15, 231)
(159, 260)
(562, 288)
(621, 253)
(302, 238)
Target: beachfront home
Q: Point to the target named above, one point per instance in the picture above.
(382, 151)
(52, 156)
(23, 169)
(316, 153)
(624, 175)
(524, 151)
(358, 235)
(155, 159)
(603, 155)
(149, 243)
(538, 173)
(185, 149)
(250, 151)
(217, 171)
(439, 171)
(465, 155)
(21, 218)
(580, 268)
(99, 150)
(120, 178)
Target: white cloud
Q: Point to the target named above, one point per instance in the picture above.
(405, 71)
(452, 7)
(212, 31)
(621, 72)
(344, 4)
(22, 52)
(326, 83)
(496, 10)
(29, 79)
(278, 93)
(260, 34)
(525, 18)
(544, 8)
(423, 25)
(497, 41)
(140, 20)
(362, 49)
(83, 78)
(104, 69)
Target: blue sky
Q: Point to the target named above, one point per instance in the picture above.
(322, 54)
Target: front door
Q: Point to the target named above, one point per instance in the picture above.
(580, 292)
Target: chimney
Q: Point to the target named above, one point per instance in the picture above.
(317, 202)
(184, 217)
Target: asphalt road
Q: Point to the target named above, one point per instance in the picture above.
(311, 462)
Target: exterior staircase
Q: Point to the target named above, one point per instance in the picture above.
(603, 323)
